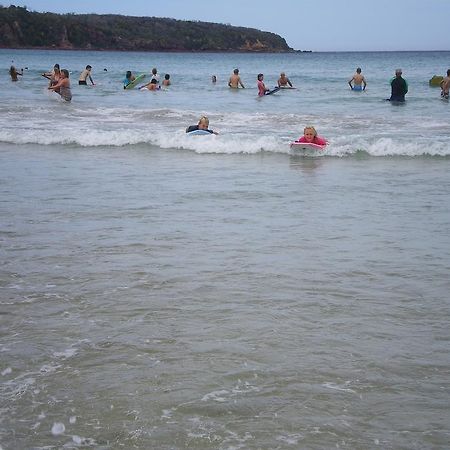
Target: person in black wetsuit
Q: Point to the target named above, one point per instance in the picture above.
(399, 87)
(203, 125)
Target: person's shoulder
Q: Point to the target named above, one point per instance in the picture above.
(191, 128)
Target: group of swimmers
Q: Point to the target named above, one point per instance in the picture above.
(235, 82)
(59, 82)
(399, 86)
(152, 85)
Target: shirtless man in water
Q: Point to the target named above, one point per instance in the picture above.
(235, 80)
(359, 82)
(445, 85)
(284, 81)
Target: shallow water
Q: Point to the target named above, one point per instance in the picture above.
(106, 115)
(163, 291)
(155, 298)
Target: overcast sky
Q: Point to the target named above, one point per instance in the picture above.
(318, 25)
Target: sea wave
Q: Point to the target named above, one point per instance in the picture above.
(238, 132)
(220, 144)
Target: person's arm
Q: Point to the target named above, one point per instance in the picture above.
(364, 83)
(240, 82)
(57, 85)
(320, 141)
(92, 81)
(350, 83)
(229, 82)
(289, 82)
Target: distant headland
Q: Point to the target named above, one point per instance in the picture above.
(20, 28)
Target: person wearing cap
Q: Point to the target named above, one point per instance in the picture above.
(284, 81)
(399, 87)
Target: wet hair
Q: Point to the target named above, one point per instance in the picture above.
(128, 75)
(154, 71)
(260, 75)
(358, 70)
(65, 72)
(310, 128)
(203, 119)
(448, 72)
(88, 67)
(56, 66)
(236, 71)
(166, 76)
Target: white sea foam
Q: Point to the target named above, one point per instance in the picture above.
(6, 371)
(58, 428)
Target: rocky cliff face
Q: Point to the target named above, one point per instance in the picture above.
(22, 28)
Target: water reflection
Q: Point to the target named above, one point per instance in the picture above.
(305, 163)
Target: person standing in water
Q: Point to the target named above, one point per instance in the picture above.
(359, 82)
(284, 81)
(262, 90)
(62, 87)
(14, 73)
(53, 76)
(399, 87)
(85, 75)
(235, 80)
(445, 85)
(129, 78)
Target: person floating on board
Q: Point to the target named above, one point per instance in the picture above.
(262, 90)
(359, 82)
(235, 80)
(129, 77)
(310, 137)
(399, 87)
(203, 125)
(445, 85)
(13, 72)
(62, 87)
(284, 81)
(85, 75)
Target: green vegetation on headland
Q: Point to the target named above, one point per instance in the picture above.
(20, 28)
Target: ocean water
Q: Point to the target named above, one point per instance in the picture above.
(164, 291)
